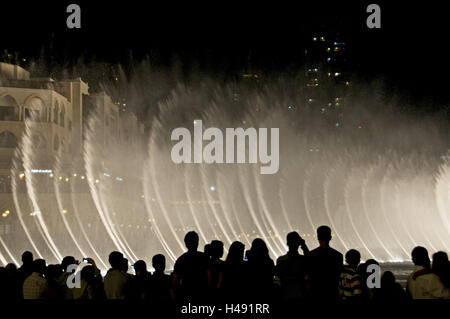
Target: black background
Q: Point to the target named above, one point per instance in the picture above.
(409, 52)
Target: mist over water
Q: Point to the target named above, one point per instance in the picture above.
(379, 177)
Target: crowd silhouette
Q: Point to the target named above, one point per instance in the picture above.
(251, 275)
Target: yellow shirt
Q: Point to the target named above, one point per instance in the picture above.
(427, 286)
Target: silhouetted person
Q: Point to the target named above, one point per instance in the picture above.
(161, 291)
(207, 250)
(191, 270)
(91, 285)
(291, 268)
(141, 281)
(350, 283)
(233, 275)
(3, 291)
(260, 271)
(124, 266)
(116, 282)
(67, 293)
(36, 286)
(422, 283)
(10, 283)
(216, 264)
(441, 268)
(390, 289)
(52, 275)
(368, 293)
(26, 269)
(324, 267)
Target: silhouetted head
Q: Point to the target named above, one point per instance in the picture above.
(53, 272)
(293, 241)
(88, 273)
(159, 262)
(140, 267)
(27, 257)
(387, 279)
(441, 263)
(236, 252)
(352, 258)
(39, 266)
(68, 260)
(362, 268)
(372, 262)
(216, 249)
(115, 259)
(124, 265)
(324, 235)
(191, 241)
(11, 268)
(207, 250)
(420, 256)
(258, 250)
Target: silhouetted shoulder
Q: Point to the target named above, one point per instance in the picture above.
(336, 253)
(282, 259)
(191, 258)
(329, 251)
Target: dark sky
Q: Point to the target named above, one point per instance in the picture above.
(410, 50)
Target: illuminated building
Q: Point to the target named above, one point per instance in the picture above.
(53, 114)
(326, 76)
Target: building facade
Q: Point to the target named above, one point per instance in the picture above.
(327, 76)
(43, 128)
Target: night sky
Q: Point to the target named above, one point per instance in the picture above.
(409, 52)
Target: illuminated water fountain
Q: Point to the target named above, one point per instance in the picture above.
(382, 187)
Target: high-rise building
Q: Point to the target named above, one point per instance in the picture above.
(326, 74)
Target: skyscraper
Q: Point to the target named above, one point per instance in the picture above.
(327, 76)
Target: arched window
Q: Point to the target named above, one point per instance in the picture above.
(34, 109)
(55, 143)
(8, 139)
(9, 109)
